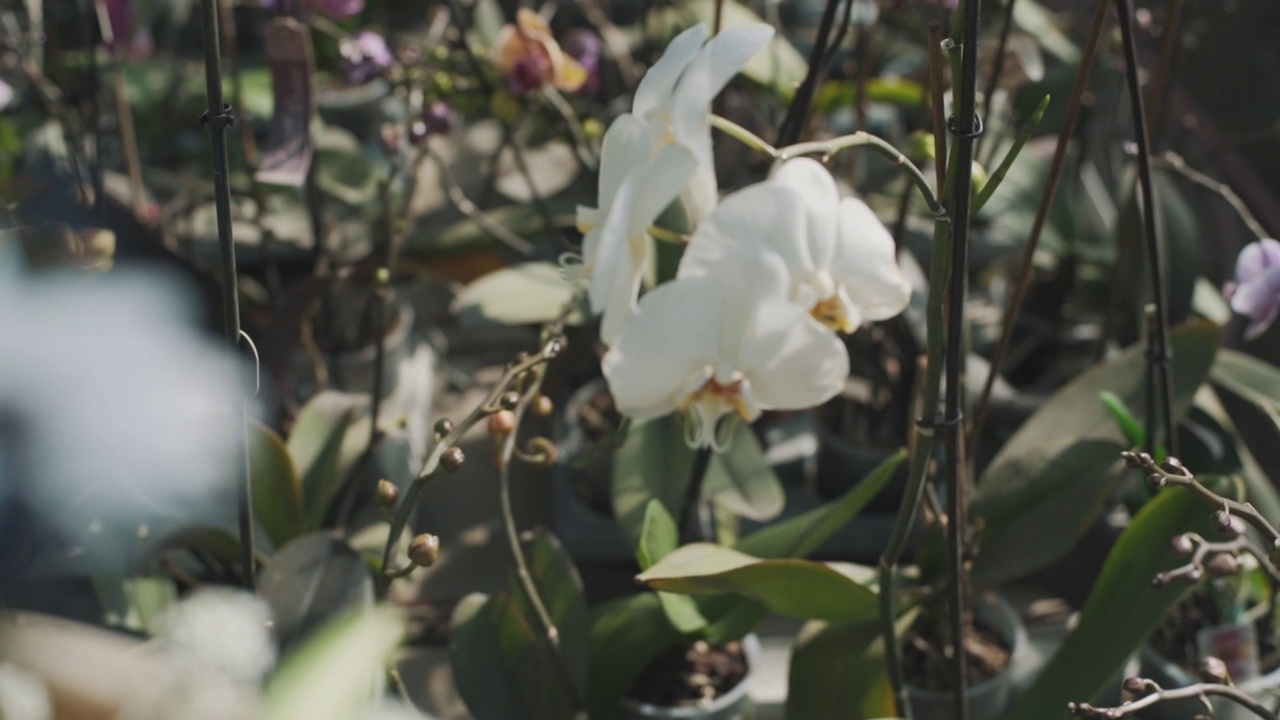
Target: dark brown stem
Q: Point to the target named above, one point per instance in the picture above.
(793, 123)
(936, 63)
(693, 492)
(1027, 263)
(1161, 476)
(1158, 350)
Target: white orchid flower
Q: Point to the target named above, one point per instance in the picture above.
(634, 190)
(674, 97)
(840, 257)
(723, 346)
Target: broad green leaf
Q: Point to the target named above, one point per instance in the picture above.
(1123, 608)
(501, 659)
(742, 480)
(352, 177)
(626, 634)
(801, 535)
(659, 538)
(215, 543)
(838, 671)
(524, 294)
(1134, 433)
(653, 463)
(1025, 532)
(319, 446)
(1041, 24)
(1056, 460)
(334, 674)
(135, 603)
(277, 489)
(1254, 380)
(433, 240)
(312, 580)
(1024, 135)
(797, 588)
(778, 66)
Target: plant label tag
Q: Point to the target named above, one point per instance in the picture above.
(287, 157)
(1235, 645)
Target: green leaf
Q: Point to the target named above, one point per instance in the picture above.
(1132, 428)
(779, 66)
(658, 538)
(626, 634)
(836, 94)
(431, 240)
(797, 588)
(741, 480)
(277, 489)
(351, 177)
(332, 676)
(653, 463)
(318, 445)
(1058, 458)
(529, 293)
(838, 671)
(1123, 608)
(501, 661)
(312, 580)
(1024, 135)
(1252, 379)
(135, 603)
(801, 535)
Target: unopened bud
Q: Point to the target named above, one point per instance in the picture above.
(509, 400)
(387, 494)
(453, 459)
(1223, 565)
(543, 406)
(555, 346)
(1222, 523)
(1174, 465)
(1135, 686)
(1214, 670)
(444, 426)
(1155, 480)
(1182, 544)
(502, 423)
(1195, 575)
(425, 550)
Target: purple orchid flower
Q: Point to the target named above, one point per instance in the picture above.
(335, 9)
(365, 57)
(120, 17)
(1255, 293)
(585, 46)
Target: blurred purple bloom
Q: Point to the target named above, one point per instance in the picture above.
(438, 117)
(1255, 293)
(529, 74)
(6, 94)
(585, 46)
(119, 16)
(365, 57)
(336, 9)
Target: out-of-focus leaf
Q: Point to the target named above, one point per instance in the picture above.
(319, 448)
(797, 588)
(626, 634)
(524, 294)
(351, 177)
(500, 662)
(835, 94)
(277, 489)
(1042, 25)
(659, 538)
(312, 580)
(1123, 608)
(653, 463)
(135, 603)
(742, 480)
(1132, 428)
(333, 676)
(552, 168)
(838, 671)
(1254, 380)
(801, 535)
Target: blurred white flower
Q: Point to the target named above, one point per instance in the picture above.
(720, 346)
(115, 420)
(674, 98)
(635, 187)
(23, 696)
(223, 629)
(6, 94)
(839, 256)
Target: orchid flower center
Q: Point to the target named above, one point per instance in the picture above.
(830, 312)
(714, 400)
(826, 305)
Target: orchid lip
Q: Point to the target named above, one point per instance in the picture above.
(714, 394)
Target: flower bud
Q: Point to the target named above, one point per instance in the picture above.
(509, 400)
(502, 423)
(418, 132)
(1182, 544)
(1155, 480)
(1174, 465)
(424, 550)
(387, 494)
(1135, 686)
(1222, 522)
(1214, 670)
(444, 426)
(1223, 565)
(1195, 575)
(453, 459)
(543, 406)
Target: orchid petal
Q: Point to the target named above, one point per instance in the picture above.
(668, 342)
(791, 361)
(611, 246)
(658, 84)
(1259, 300)
(865, 263)
(720, 59)
(744, 223)
(749, 280)
(626, 146)
(1256, 259)
(819, 198)
(661, 184)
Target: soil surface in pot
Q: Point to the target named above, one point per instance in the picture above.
(1175, 637)
(691, 676)
(926, 667)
